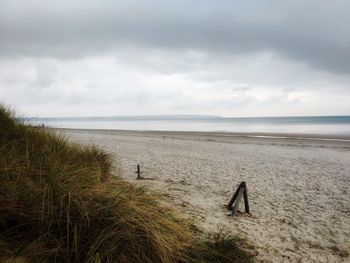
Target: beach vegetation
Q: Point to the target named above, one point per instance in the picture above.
(65, 202)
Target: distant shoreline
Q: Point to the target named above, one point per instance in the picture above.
(226, 136)
(333, 127)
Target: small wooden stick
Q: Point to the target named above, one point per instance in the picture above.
(138, 172)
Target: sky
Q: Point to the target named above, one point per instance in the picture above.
(228, 58)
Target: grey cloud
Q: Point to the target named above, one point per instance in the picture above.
(315, 32)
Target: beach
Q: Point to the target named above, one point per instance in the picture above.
(298, 186)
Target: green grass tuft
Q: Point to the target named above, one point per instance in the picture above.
(62, 202)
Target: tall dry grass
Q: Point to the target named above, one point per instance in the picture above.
(60, 202)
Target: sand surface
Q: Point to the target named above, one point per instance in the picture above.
(299, 189)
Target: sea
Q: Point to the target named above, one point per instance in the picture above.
(322, 125)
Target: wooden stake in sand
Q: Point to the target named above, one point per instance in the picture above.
(138, 172)
(236, 198)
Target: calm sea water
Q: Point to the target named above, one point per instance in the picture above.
(328, 125)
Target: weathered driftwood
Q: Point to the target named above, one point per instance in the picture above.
(236, 198)
(246, 202)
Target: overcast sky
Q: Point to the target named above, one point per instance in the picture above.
(229, 58)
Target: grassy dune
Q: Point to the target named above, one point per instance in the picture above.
(62, 202)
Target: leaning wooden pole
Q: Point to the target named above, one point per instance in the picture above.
(236, 198)
(233, 199)
(246, 202)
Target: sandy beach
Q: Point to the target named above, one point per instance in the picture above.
(299, 188)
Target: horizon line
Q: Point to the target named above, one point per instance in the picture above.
(181, 116)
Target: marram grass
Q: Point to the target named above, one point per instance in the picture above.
(62, 202)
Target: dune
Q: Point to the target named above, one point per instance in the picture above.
(66, 202)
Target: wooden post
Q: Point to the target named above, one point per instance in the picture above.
(138, 172)
(246, 202)
(236, 198)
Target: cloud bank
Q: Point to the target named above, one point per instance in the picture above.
(229, 58)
